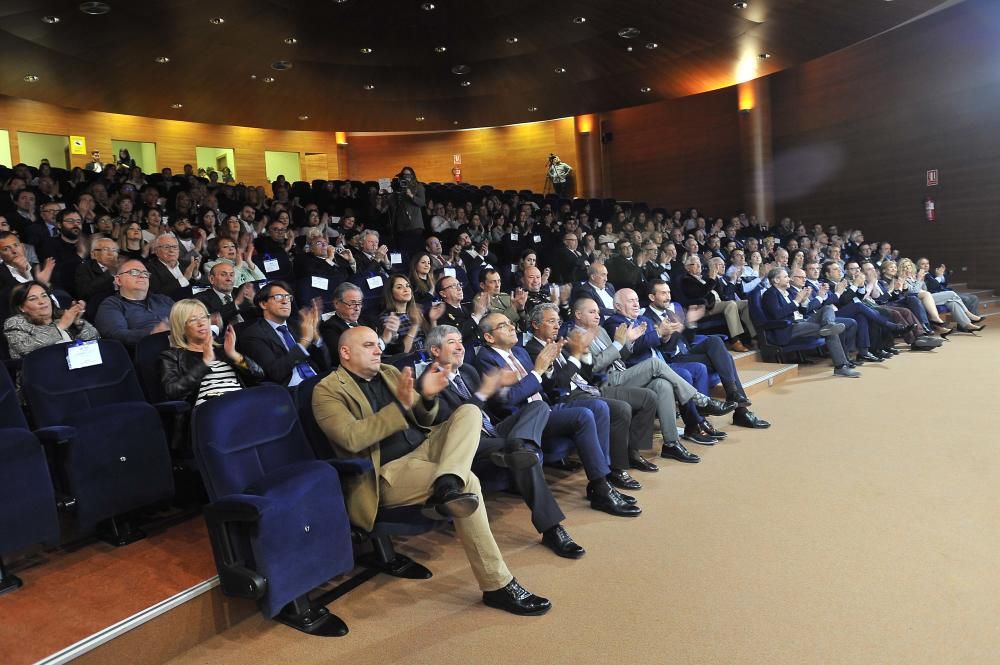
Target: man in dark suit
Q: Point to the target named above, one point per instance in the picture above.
(587, 423)
(633, 409)
(569, 266)
(597, 288)
(273, 249)
(95, 277)
(464, 317)
(63, 249)
(372, 259)
(708, 350)
(167, 275)
(220, 299)
(288, 351)
(347, 303)
(623, 271)
(514, 442)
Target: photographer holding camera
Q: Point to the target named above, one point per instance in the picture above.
(559, 174)
(405, 207)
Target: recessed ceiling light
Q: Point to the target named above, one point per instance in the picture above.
(291, 41)
(512, 40)
(628, 48)
(628, 33)
(162, 59)
(454, 122)
(268, 79)
(340, 2)
(461, 70)
(369, 86)
(366, 51)
(579, 19)
(532, 109)
(281, 65)
(30, 78)
(465, 84)
(741, 5)
(303, 117)
(652, 45)
(51, 19)
(764, 56)
(428, 6)
(440, 49)
(645, 89)
(176, 106)
(253, 77)
(559, 70)
(216, 20)
(95, 8)
(420, 118)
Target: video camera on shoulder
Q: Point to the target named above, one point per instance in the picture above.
(401, 182)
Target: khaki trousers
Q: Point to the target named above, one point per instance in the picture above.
(737, 315)
(449, 449)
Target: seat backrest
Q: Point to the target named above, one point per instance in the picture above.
(10, 407)
(147, 364)
(54, 392)
(756, 309)
(303, 404)
(240, 437)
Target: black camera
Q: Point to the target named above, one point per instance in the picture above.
(401, 182)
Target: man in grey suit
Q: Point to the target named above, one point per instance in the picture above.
(608, 369)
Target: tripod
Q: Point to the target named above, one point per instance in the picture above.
(548, 187)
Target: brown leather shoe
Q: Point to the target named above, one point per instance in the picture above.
(736, 346)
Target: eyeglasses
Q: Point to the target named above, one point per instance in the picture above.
(170, 247)
(450, 286)
(135, 272)
(198, 319)
(282, 297)
(106, 250)
(505, 324)
(352, 305)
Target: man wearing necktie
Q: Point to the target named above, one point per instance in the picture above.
(513, 442)
(586, 423)
(348, 300)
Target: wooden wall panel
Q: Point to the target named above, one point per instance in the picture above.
(678, 153)
(856, 131)
(175, 140)
(510, 157)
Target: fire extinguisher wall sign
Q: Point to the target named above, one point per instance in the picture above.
(930, 208)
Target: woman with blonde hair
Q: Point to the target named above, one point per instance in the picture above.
(915, 283)
(191, 369)
(920, 303)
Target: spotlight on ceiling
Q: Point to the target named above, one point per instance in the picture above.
(30, 78)
(268, 79)
(303, 117)
(162, 59)
(95, 8)
(512, 39)
(440, 49)
(579, 19)
(465, 84)
(461, 70)
(764, 56)
(559, 70)
(420, 118)
(532, 109)
(369, 86)
(291, 41)
(176, 106)
(741, 5)
(216, 20)
(628, 33)
(652, 45)
(366, 51)
(51, 19)
(428, 6)
(645, 89)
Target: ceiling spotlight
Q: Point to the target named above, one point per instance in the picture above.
(216, 20)
(268, 79)
(162, 59)
(51, 19)
(559, 70)
(30, 78)
(465, 84)
(628, 48)
(303, 117)
(741, 5)
(454, 122)
(440, 49)
(461, 70)
(176, 106)
(291, 41)
(628, 33)
(764, 56)
(532, 109)
(512, 40)
(281, 65)
(645, 89)
(652, 45)
(366, 51)
(428, 6)
(95, 8)
(369, 86)
(420, 118)
(579, 19)
(340, 2)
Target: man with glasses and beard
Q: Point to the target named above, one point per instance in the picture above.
(64, 250)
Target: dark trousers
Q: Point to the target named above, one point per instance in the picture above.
(587, 423)
(877, 328)
(712, 352)
(632, 412)
(527, 426)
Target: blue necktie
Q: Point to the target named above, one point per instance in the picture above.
(463, 391)
(304, 369)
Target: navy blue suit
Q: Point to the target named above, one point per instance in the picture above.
(589, 290)
(586, 422)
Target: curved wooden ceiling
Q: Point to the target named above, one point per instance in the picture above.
(218, 72)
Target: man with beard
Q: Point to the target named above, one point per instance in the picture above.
(64, 250)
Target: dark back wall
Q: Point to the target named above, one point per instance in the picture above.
(855, 132)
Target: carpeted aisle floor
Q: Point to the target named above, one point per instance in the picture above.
(863, 527)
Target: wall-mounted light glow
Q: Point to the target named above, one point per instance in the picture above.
(746, 68)
(746, 95)
(585, 123)
(341, 138)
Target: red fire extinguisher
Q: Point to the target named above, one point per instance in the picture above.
(457, 172)
(929, 208)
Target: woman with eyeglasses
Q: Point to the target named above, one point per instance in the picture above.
(36, 322)
(401, 322)
(195, 368)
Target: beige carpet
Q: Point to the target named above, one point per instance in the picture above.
(863, 527)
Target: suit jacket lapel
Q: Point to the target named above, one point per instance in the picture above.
(361, 407)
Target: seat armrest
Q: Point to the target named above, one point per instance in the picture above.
(776, 324)
(173, 407)
(242, 508)
(351, 466)
(57, 434)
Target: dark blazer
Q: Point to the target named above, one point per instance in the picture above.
(669, 346)
(625, 274)
(644, 347)
(162, 281)
(367, 265)
(488, 360)
(776, 309)
(267, 248)
(558, 384)
(67, 261)
(461, 318)
(228, 312)
(331, 330)
(262, 343)
(93, 285)
(449, 399)
(696, 293)
(589, 290)
(181, 372)
(567, 267)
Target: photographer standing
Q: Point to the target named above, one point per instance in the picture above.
(405, 206)
(559, 173)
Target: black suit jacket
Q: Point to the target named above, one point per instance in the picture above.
(228, 312)
(557, 385)
(331, 330)
(449, 399)
(262, 343)
(93, 285)
(461, 318)
(162, 281)
(696, 293)
(625, 274)
(567, 266)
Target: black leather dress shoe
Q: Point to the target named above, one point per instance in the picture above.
(696, 436)
(627, 498)
(708, 406)
(893, 350)
(516, 457)
(515, 599)
(869, 357)
(678, 452)
(748, 419)
(557, 540)
(452, 503)
(884, 355)
(708, 430)
(640, 463)
(605, 498)
(622, 480)
(565, 465)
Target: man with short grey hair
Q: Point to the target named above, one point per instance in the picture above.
(372, 257)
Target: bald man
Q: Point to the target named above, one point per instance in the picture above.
(367, 409)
